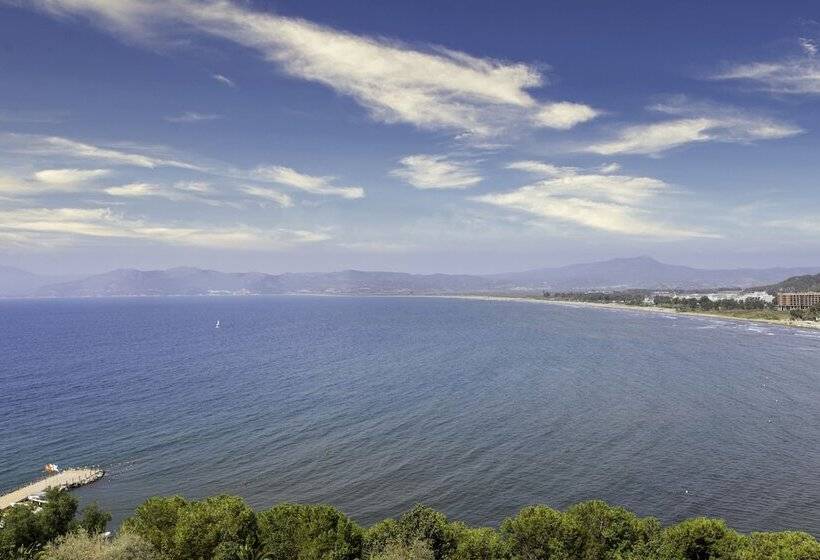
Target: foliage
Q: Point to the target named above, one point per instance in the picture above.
(308, 532)
(26, 528)
(597, 531)
(94, 520)
(83, 546)
(699, 539)
(400, 550)
(212, 529)
(479, 544)
(422, 524)
(156, 520)
(225, 528)
(787, 545)
(535, 533)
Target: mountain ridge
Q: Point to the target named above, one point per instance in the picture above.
(612, 274)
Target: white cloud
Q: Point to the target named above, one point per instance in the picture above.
(432, 88)
(798, 75)
(60, 226)
(809, 46)
(266, 193)
(570, 181)
(224, 80)
(68, 177)
(190, 191)
(540, 168)
(50, 180)
(436, 172)
(135, 190)
(610, 168)
(192, 117)
(564, 115)
(58, 146)
(309, 183)
(694, 123)
(612, 203)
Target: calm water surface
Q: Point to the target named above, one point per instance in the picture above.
(373, 404)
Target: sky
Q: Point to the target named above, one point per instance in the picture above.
(423, 136)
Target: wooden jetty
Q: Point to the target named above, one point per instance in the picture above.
(68, 478)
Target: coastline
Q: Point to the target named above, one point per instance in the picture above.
(808, 325)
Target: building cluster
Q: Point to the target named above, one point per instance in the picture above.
(798, 300)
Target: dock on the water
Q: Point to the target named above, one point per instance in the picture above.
(68, 478)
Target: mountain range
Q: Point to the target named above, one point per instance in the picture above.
(614, 274)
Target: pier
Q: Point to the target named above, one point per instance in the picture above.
(68, 478)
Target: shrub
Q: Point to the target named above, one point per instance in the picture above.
(82, 546)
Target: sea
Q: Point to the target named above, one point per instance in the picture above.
(373, 404)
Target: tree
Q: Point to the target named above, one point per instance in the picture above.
(26, 529)
(308, 532)
(57, 514)
(700, 538)
(214, 529)
(156, 521)
(595, 530)
(479, 544)
(786, 545)
(796, 314)
(535, 534)
(399, 550)
(94, 520)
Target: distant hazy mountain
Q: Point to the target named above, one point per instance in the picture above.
(194, 281)
(16, 282)
(645, 272)
(641, 272)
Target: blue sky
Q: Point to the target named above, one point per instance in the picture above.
(417, 136)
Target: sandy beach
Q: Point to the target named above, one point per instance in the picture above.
(814, 325)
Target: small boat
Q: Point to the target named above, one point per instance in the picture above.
(217, 324)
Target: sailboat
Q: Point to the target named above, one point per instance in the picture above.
(217, 324)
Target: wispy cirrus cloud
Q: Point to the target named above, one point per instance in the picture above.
(38, 145)
(693, 122)
(591, 199)
(432, 88)
(793, 75)
(320, 185)
(64, 177)
(222, 79)
(63, 226)
(425, 171)
(192, 117)
(268, 194)
(179, 191)
(50, 181)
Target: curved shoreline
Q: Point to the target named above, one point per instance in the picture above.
(808, 325)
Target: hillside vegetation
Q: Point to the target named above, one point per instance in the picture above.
(806, 283)
(226, 528)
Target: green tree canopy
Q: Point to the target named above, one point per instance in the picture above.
(308, 532)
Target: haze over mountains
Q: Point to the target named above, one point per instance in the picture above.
(614, 274)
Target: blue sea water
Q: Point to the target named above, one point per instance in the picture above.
(373, 404)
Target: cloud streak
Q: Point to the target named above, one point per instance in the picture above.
(795, 75)
(436, 172)
(60, 226)
(32, 144)
(605, 202)
(431, 88)
(192, 117)
(693, 123)
(312, 184)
